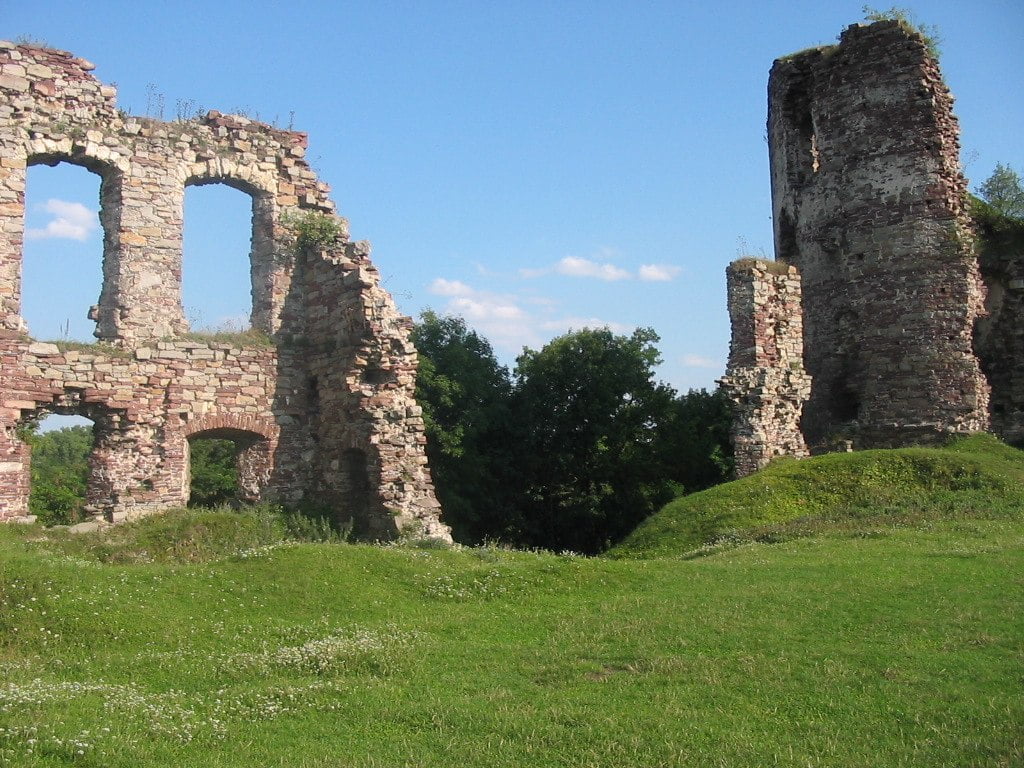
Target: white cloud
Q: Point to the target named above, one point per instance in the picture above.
(697, 361)
(71, 221)
(499, 318)
(658, 273)
(442, 287)
(486, 308)
(579, 267)
(511, 322)
(565, 324)
(601, 268)
(534, 272)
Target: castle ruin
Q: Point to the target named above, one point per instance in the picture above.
(876, 326)
(324, 412)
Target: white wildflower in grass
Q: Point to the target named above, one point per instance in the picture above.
(474, 585)
(264, 549)
(349, 649)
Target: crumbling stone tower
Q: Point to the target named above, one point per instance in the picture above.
(322, 413)
(766, 377)
(869, 205)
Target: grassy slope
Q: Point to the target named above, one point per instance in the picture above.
(870, 645)
(976, 477)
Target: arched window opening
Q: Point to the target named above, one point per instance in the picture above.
(216, 262)
(59, 452)
(62, 266)
(227, 467)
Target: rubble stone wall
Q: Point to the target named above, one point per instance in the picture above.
(869, 204)
(999, 337)
(334, 393)
(765, 377)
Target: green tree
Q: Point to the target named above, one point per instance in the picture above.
(464, 393)
(1004, 192)
(60, 471)
(591, 423)
(697, 440)
(214, 472)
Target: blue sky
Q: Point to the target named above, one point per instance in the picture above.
(533, 166)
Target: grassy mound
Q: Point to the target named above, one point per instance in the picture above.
(974, 477)
(188, 535)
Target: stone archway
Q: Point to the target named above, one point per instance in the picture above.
(255, 444)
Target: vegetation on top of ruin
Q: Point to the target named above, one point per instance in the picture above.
(219, 638)
(248, 337)
(977, 477)
(312, 231)
(1003, 192)
(30, 40)
(769, 265)
(907, 19)
(98, 348)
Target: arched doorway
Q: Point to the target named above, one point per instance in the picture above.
(227, 465)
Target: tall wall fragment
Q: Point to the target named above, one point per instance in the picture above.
(869, 204)
(325, 412)
(765, 377)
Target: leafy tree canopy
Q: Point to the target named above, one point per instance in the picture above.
(1004, 192)
(60, 470)
(593, 453)
(464, 393)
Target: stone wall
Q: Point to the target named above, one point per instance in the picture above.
(765, 376)
(332, 397)
(869, 203)
(999, 337)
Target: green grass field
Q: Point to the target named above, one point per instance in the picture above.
(850, 630)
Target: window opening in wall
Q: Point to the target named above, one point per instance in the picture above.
(60, 448)
(803, 153)
(227, 466)
(216, 282)
(62, 267)
(845, 402)
(356, 491)
(213, 465)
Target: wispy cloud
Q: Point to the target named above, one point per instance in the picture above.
(70, 221)
(500, 318)
(658, 273)
(565, 324)
(601, 268)
(442, 287)
(698, 361)
(575, 266)
(511, 322)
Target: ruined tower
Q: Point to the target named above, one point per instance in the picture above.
(322, 411)
(766, 377)
(870, 206)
